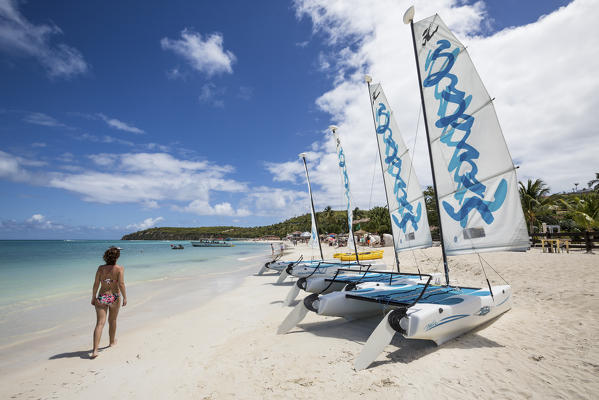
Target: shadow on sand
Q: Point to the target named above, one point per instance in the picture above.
(406, 350)
(83, 354)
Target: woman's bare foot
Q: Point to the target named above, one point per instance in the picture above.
(113, 343)
(93, 355)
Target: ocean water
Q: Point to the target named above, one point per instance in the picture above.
(46, 285)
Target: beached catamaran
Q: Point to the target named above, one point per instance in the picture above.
(320, 267)
(410, 230)
(477, 201)
(406, 208)
(477, 197)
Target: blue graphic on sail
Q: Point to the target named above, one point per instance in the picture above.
(456, 129)
(345, 178)
(405, 199)
(477, 187)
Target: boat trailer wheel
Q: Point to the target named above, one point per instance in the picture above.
(395, 316)
(349, 287)
(309, 301)
(301, 283)
(289, 269)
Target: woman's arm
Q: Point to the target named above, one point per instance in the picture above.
(96, 285)
(122, 285)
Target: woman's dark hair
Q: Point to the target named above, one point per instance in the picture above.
(111, 255)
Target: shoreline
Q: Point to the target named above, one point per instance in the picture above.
(227, 347)
(33, 327)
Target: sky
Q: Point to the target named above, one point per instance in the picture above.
(125, 116)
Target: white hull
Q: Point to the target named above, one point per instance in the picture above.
(328, 270)
(436, 322)
(319, 284)
(427, 321)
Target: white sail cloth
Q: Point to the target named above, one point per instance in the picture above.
(345, 180)
(314, 240)
(404, 194)
(476, 180)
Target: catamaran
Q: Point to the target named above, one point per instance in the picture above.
(320, 267)
(477, 196)
(325, 284)
(409, 228)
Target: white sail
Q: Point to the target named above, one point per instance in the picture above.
(314, 240)
(404, 194)
(343, 169)
(476, 180)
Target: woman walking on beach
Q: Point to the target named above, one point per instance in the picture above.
(110, 278)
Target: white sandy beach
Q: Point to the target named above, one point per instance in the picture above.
(545, 347)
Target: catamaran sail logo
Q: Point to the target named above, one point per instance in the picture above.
(393, 162)
(457, 125)
(428, 35)
(341, 156)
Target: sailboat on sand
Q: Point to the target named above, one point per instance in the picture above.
(400, 210)
(477, 196)
(477, 200)
(410, 230)
(316, 268)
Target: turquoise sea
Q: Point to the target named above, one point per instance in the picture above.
(46, 285)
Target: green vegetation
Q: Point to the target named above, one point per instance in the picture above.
(574, 212)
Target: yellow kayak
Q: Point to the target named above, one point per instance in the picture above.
(362, 255)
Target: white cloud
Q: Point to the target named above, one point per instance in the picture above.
(42, 119)
(275, 202)
(13, 167)
(202, 207)
(19, 36)
(38, 144)
(285, 171)
(143, 178)
(38, 221)
(210, 94)
(204, 55)
(150, 204)
(66, 157)
(36, 218)
(539, 74)
(120, 125)
(147, 223)
(103, 139)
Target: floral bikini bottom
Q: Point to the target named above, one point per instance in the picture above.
(108, 298)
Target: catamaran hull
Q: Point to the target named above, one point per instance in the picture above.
(319, 284)
(304, 271)
(336, 304)
(441, 323)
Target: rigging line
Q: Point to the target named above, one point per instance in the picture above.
(490, 266)
(416, 262)
(414, 146)
(486, 278)
(373, 174)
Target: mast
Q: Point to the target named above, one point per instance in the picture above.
(303, 157)
(409, 18)
(368, 79)
(334, 128)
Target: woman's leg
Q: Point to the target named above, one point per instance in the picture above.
(100, 321)
(113, 312)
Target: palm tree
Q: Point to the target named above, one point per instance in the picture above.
(594, 183)
(535, 201)
(584, 210)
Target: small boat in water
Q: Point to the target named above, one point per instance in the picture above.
(211, 243)
(177, 247)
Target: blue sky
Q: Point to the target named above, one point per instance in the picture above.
(131, 115)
